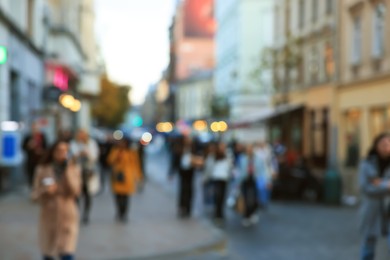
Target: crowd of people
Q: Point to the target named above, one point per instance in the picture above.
(242, 173)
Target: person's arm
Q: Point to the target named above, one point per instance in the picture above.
(39, 189)
(369, 185)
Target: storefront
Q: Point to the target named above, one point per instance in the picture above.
(364, 112)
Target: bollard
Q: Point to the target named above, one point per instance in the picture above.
(333, 187)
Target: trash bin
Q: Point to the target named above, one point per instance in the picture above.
(332, 187)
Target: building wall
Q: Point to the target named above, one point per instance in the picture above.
(22, 76)
(194, 99)
(363, 94)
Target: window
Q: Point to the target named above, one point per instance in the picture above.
(314, 10)
(301, 13)
(378, 30)
(356, 54)
(329, 6)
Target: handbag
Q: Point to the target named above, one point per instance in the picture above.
(120, 177)
(93, 183)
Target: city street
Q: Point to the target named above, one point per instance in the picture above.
(287, 230)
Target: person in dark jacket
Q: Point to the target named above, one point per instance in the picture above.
(374, 182)
(35, 146)
(188, 161)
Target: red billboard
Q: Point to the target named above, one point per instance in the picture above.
(199, 19)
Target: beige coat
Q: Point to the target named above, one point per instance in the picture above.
(59, 217)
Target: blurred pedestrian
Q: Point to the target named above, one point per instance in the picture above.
(207, 172)
(34, 145)
(374, 181)
(188, 162)
(220, 175)
(126, 173)
(267, 173)
(251, 171)
(57, 184)
(85, 151)
(105, 147)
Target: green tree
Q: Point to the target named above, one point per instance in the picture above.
(112, 104)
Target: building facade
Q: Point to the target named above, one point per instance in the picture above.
(304, 73)
(244, 32)
(363, 99)
(191, 56)
(21, 77)
(194, 97)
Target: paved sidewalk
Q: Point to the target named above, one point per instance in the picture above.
(153, 230)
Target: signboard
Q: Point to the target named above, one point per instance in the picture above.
(10, 148)
(51, 94)
(199, 19)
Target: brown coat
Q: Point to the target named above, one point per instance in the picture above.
(59, 217)
(127, 162)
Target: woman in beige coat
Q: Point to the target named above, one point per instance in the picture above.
(56, 187)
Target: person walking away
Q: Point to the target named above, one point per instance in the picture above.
(374, 182)
(104, 150)
(188, 162)
(126, 173)
(207, 172)
(220, 176)
(85, 151)
(251, 169)
(268, 172)
(34, 146)
(57, 184)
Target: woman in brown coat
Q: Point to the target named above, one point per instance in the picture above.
(126, 173)
(56, 187)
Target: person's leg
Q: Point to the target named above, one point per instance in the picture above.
(246, 192)
(117, 206)
(181, 199)
(217, 199)
(368, 248)
(125, 206)
(87, 203)
(223, 198)
(189, 193)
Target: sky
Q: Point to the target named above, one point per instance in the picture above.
(133, 38)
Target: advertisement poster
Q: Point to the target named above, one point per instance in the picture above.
(199, 19)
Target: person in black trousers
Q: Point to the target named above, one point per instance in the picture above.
(35, 146)
(188, 162)
(220, 176)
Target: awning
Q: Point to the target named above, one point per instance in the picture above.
(264, 115)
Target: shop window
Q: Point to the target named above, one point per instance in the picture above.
(352, 138)
(380, 121)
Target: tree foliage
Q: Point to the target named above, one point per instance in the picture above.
(112, 104)
(220, 107)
